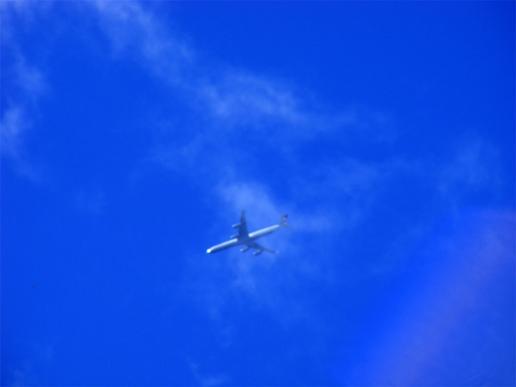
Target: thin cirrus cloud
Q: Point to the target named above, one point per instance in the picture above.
(229, 97)
(23, 86)
(132, 29)
(26, 86)
(276, 118)
(227, 100)
(13, 125)
(274, 115)
(230, 101)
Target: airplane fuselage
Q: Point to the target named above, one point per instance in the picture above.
(244, 240)
(263, 231)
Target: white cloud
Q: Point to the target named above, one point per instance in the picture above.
(12, 127)
(23, 85)
(207, 379)
(133, 29)
(472, 168)
(233, 105)
(230, 106)
(268, 282)
(28, 87)
(232, 97)
(247, 99)
(240, 196)
(242, 117)
(29, 79)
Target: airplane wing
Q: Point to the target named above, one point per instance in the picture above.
(260, 249)
(241, 227)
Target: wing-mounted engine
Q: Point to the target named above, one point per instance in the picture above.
(241, 228)
(257, 252)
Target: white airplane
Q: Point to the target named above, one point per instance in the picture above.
(247, 239)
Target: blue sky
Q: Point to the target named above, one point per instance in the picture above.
(133, 133)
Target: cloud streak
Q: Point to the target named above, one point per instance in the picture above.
(244, 116)
(23, 87)
(235, 119)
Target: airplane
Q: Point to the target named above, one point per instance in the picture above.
(248, 239)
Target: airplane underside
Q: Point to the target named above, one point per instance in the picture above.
(252, 245)
(248, 239)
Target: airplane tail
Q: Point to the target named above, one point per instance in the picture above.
(284, 220)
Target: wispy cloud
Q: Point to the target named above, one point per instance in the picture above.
(237, 117)
(230, 98)
(471, 168)
(21, 104)
(23, 86)
(132, 29)
(244, 116)
(246, 99)
(269, 282)
(13, 125)
(29, 79)
(205, 379)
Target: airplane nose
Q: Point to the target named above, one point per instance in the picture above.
(208, 251)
